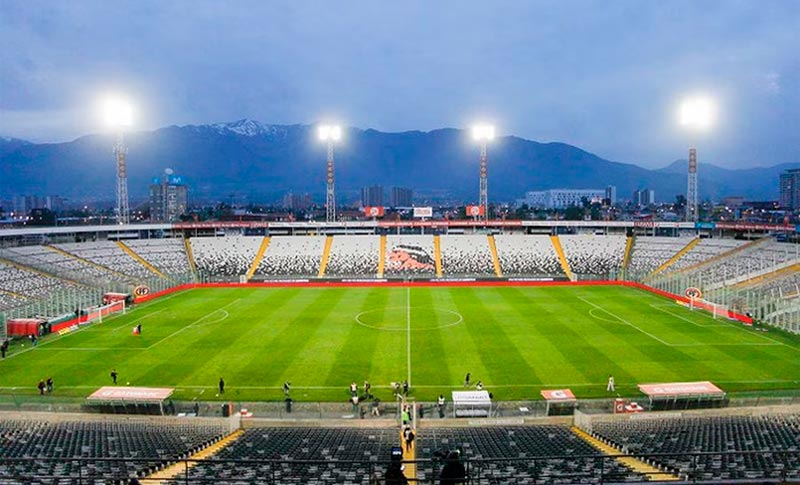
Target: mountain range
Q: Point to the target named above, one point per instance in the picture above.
(265, 161)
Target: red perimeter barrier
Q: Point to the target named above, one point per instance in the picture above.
(444, 283)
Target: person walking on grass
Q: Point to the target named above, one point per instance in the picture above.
(221, 385)
(610, 385)
(114, 376)
(466, 380)
(286, 388)
(49, 385)
(41, 387)
(4, 348)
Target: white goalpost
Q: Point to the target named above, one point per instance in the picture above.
(715, 309)
(96, 314)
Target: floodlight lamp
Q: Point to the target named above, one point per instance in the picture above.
(696, 113)
(483, 132)
(117, 112)
(330, 132)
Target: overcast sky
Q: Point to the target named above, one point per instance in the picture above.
(604, 75)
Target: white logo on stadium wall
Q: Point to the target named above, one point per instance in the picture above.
(141, 290)
(693, 292)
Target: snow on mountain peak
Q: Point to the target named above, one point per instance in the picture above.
(243, 127)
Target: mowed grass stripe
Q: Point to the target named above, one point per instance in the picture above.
(429, 361)
(357, 354)
(502, 360)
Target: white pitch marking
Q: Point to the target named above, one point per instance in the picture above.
(194, 323)
(625, 321)
(408, 333)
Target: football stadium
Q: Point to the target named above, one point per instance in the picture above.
(526, 352)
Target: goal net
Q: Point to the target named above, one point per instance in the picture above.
(715, 309)
(96, 314)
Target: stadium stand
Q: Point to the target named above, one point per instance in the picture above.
(593, 255)
(410, 255)
(17, 284)
(168, 255)
(570, 459)
(650, 252)
(108, 255)
(354, 256)
(293, 256)
(527, 255)
(678, 437)
(58, 263)
(154, 444)
(706, 249)
(228, 257)
(334, 455)
(466, 255)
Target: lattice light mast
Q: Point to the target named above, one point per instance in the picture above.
(330, 134)
(483, 134)
(121, 151)
(696, 114)
(119, 115)
(691, 189)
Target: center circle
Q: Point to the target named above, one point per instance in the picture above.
(396, 319)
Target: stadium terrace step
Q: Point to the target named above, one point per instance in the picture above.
(626, 258)
(162, 477)
(130, 252)
(495, 260)
(382, 257)
(769, 276)
(86, 261)
(259, 256)
(326, 254)
(726, 254)
(562, 257)
(190, 255)
(694, 242)
(634, 464)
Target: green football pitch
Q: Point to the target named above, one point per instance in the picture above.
(517, 340)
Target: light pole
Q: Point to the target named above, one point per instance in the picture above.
(696, 114)
(330, 134)
(119, 115)
(483, 134)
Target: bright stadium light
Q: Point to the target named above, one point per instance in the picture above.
(330, 132)
(483, 132)
(696, 113)
(117, 112)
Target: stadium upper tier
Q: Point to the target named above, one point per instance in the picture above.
(28, 273)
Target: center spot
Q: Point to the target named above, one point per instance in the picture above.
(396, 319)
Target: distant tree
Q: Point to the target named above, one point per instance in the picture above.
(573, 213)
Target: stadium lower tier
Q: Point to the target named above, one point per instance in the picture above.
(665, 446)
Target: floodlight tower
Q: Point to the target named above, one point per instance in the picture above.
(697, 115)
(119, 115)
(483, 134)
(330, 134)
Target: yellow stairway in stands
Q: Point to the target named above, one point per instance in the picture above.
(652, 473)
(562, 258)
(495, 259)
(190, 254)
(31, 269)
(85, 261)
(409, 456)
(130, 252)
(675, 257)
(326, 253)
(437, 251)
(626, 258)
(769, 276)
(724, 255)
(259, 256)
(177, 472)
(382, 257)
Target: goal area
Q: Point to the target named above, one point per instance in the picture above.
(96, 314)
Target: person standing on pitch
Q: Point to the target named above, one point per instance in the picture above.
(286, 387)
(610, 385)
(114, 376)
(405, 387)
(367, 389)
(221, 386)
(466, 380)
